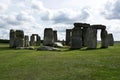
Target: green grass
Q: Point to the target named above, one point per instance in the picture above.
(99, 64)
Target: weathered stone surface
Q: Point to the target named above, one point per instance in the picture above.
(76, 39)
(98, 26)
(68, 36)
(104, 39)
(48, 37)
(92, 39)
(20, 34)
(85, 34)
(38, 42)
(26, 39)
(110, 40)
(32, 40)
(35, 40)
(12, 37)
(19, 42)
(81, 25)
(55, 35)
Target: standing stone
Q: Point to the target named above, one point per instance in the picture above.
(92, 38)
(19, 38)
(32, 40)
(35, 40)
(68, 36)
(12, 38)
(110, 40)
(104, 39)
(55, 35)
(76, 39)
(26, 39)
(85, 34)
(48, 37)
(84, 29)
(38, 41)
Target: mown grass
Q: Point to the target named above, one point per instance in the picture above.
(99, 64)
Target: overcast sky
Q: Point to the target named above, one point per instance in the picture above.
(33, 16)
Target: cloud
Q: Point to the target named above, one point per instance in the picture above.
(3, 7)
(31, 16)
(112, 10)
(23, 16)
(5, 34)
(16, 19)
(38, 5)
(65, 16)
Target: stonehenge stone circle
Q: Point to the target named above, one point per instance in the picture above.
(81, 35)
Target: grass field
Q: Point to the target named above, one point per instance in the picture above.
(99, 64)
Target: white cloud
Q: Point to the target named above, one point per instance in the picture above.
(33, 16)
(3, 7)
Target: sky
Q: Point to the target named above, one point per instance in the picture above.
(33, 16)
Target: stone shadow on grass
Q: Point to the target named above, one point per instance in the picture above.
(5, 48)
(82, 49)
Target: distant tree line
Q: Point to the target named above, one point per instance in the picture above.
(4, 41)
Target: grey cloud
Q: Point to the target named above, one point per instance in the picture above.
(37, 5)
(112, 10)
(65, 17)
(62, 18)
(15, 20)
(24, 17)
(84, 15)
(46, 16)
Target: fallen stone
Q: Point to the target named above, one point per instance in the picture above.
(47, 48)
(58, 44)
